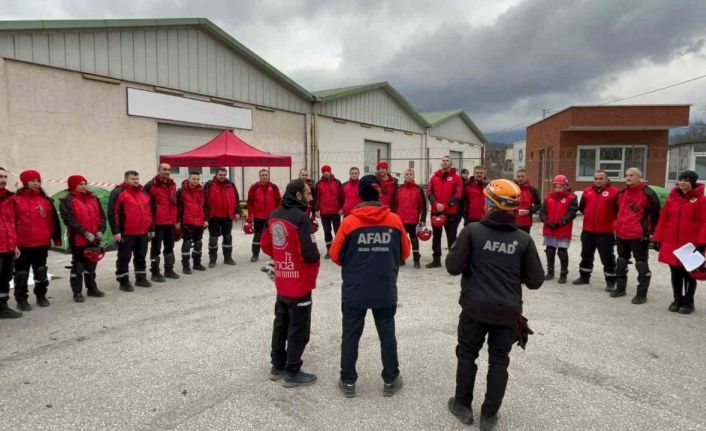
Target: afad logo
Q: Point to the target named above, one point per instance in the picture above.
(500, 247)
(605, 194)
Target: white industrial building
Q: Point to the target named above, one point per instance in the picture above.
(99, 97)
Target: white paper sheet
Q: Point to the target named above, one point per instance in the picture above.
(689, 257)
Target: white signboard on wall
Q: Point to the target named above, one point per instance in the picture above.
(143, 103)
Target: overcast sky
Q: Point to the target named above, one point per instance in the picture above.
(502, 61)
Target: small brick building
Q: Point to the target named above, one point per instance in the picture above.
(581, 139)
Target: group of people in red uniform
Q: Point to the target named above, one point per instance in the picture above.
(157, 214)
(631, 221)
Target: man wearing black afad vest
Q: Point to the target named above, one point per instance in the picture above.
(495, 258)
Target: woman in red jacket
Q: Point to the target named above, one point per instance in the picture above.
(85, 223)
(411, 205)
(558, 213)
(37, 224)
(682, 220)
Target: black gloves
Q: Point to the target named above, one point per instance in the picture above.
(522, 331)
(656, 245)
(553, 225)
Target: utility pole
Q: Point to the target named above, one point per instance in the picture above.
(545, 111)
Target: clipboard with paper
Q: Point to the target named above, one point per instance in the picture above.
(689, 257)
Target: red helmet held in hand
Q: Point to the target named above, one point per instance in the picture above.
(699, 273)
(93, 254)
(423, 233)
(178, 234)
(248, 227)
(438, 220)
(315, 224)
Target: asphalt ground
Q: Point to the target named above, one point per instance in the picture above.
(193, 354)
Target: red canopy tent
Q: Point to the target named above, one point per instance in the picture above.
(226, 149)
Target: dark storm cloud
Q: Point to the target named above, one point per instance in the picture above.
(539, 53)
(542, 48)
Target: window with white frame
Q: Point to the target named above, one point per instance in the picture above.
(613, 159)
(679, 158)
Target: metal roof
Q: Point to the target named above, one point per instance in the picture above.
(435, 118)
(337, 93)
(201, 23)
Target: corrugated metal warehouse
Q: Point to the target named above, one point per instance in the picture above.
(103, 96)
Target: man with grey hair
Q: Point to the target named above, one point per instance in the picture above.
(638, 209)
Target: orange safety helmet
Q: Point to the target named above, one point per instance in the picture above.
(504, 194)
(248, 227)
(561, 179)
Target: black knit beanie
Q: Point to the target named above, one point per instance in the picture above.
(690, 176)
(369, 188)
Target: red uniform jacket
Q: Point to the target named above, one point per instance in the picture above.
(262, 200)
(638, 212)
(164, 204)
(351, 198)
(387, 194)
(8, 234)
(221, 199)
(445, 188)
(36, 219)
(474, 199)
(411, 203)
(191, 205)
(289, 239)
(529, 200)
(559, 208)
(329, 196)
(130, 211)
(81, 212)
(598, 208)
(682, 220)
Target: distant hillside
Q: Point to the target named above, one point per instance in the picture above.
(497, 146)
(506, 137)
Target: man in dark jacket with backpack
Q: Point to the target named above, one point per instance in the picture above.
(289, 238)
(495, 258)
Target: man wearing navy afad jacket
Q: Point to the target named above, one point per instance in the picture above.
(369, 247)
(289, 238)
(495, 258)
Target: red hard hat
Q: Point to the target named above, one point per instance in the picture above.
(561, 179)
(248, 227)
(93, 254)
(423, 233)
(316, 225)
(177, 234)
(699, 273)
(438, 220)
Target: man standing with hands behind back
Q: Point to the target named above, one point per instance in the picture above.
(369, 247)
